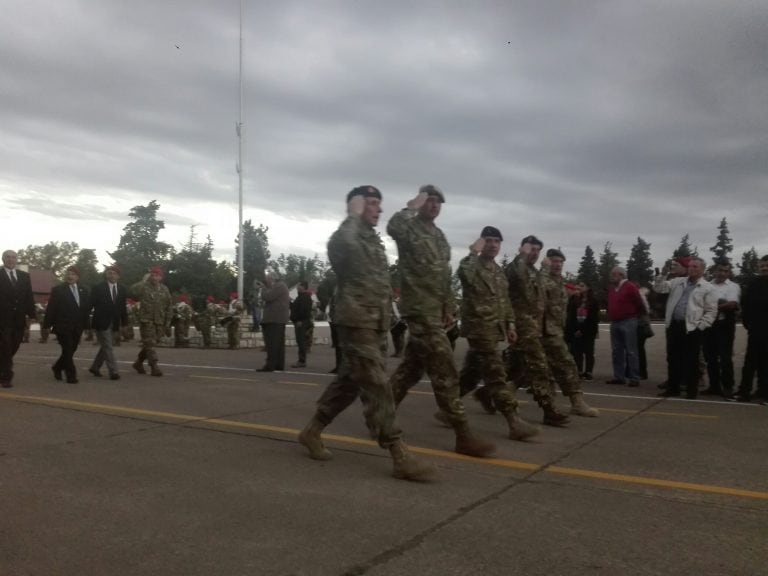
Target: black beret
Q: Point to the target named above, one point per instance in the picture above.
(366, 191)
(555, 253)
(491, 232)
(433, 191)
(532, 240)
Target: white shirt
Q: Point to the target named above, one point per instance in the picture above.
(11, 273)
(728, 291)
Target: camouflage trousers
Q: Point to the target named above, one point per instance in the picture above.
(483, 362)
(362, 373)
(561, 364)
(151, 334)
(527, 362)
(233, 333)
(181, 333)
(429, 350)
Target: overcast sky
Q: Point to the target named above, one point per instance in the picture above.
(578, 121)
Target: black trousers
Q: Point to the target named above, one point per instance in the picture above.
(69, 341)
(755, 361)
(718, 352)
(683, 350)
(274, 342)
(583, 352)
(301, 332)
(10, 340)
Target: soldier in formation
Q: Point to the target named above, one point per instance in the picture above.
(155, 315)
(232, 321)
(182, 318)
(357, 256)
(488, 323)
(527, 361)
(560, 361)
(428, 306)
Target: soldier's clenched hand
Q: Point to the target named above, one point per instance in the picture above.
(477, 246)
(418, 201)
(511, 336)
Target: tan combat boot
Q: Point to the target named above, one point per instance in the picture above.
(406, 467)
(519, 429)
(310, 438)
(581, 408)
(470, 445)
(554, 418)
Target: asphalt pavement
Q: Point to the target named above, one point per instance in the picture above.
(198, 472)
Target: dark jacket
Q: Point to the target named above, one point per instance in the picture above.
(106, 312)
(589, 326)
(301, 308)
(277, 303)
(63, 314)
(16, 303)
(754, 306)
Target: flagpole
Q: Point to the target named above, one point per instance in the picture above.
(240, 239)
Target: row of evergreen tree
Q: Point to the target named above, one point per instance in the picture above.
(192, 270)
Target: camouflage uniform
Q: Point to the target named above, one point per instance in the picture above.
(527, 361)
(155, 314)
(560, 360)
(357, 256)
(426, 302)
(233, 324)
(182, 317)
(487, 317)
(426, 299)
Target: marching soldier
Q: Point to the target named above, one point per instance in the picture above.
(487, 320)
(357, 256)
(561, 362)
(525, 294)
(155, 316)
(428, 306)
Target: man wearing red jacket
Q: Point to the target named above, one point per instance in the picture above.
(624, 307)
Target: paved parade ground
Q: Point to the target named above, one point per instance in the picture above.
(199, 473)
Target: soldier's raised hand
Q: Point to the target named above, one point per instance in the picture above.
(477, 246)
(356, 205)
(418, 201)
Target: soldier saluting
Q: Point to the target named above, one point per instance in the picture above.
(155, 315)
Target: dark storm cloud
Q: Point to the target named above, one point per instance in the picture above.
(581, 122)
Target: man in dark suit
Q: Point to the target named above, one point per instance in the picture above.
(16, 304)
(109, 314)
(67, 316)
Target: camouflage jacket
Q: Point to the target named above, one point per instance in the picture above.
(182, 312)
(363, 292)
(155, 301)
(425, 268)
(555, 305)
(525, 291)
(486, 313)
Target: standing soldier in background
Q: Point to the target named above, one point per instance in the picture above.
(487, 320)
(301, 315)
(525, 294)
(560, 360)
(398, 326)
(205, 320)
(357, 256)
(40, 318)
(155, 314)
(182, 317)
(428, 307)
(233, 321)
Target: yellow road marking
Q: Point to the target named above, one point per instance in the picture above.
(496, 462)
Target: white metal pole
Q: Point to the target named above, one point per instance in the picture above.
(241, 243)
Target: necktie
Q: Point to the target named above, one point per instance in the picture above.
(13, 277)
(75, 293)
(114, 293)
